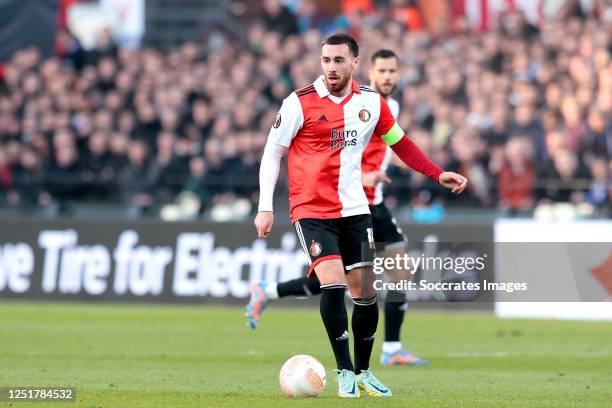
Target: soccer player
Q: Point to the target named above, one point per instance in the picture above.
(325, 128)
(383, 74)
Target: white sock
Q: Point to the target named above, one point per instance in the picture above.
(391, 346)
(271, 291)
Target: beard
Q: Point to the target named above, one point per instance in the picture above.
(338, 86)
(386, 89)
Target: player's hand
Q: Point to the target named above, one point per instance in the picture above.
(372, 178)
(453, 181)
(263, 223)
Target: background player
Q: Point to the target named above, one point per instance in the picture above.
(325, 128)
(383, 75)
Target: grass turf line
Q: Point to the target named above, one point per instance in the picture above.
(189, 356)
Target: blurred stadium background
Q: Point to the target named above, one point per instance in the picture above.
(130, 138)
(122, 106)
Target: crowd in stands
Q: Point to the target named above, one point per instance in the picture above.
(523, 110)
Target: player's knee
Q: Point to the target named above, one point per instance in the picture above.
(330, 272)
(363, 292)
(361, 285)
(364, 301)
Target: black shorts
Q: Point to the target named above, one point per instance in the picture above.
(350, 239)
(387, 232)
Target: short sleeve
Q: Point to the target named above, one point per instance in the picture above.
(288, 122)
(387, 127)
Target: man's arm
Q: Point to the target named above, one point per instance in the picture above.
(409, 153)
(268, 175)
(288, 122)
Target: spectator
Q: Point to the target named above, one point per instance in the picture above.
(563, 178)
(27, 180)
(133, 187)
(599, 190)
(105, 46)
(98, 170)
(5, 172)
(62, 174)
(406, 12)
(516, 178)
(526, 123)
(167, 171)
(196, 182)
(277, 18)
(598, 140)
(468, 147)
(68, 47)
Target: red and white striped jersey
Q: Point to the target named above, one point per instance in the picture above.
(377, 156)
(326, 141)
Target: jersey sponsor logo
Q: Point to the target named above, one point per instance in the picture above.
(323, 119)
(277, 122)
(341, 138)
(364, 115)
(315, 248)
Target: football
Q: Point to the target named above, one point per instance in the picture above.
(302, 376)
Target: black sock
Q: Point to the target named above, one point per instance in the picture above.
(395, 306)
(364, 322)
(299, 287)
(333, 313)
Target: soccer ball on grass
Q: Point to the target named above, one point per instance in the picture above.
(302, 376)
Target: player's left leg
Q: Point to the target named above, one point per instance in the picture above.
(391, 242)
(364, 322)
(357, 254)
(262, 293)
(325, 259)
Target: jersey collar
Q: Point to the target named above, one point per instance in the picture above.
(322, 90)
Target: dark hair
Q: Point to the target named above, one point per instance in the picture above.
(337, 39)
(383, 53)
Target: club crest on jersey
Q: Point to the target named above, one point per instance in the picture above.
(315, 248)
(277, 122)
(364, 115)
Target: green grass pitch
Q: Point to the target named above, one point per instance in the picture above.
(190, 356)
